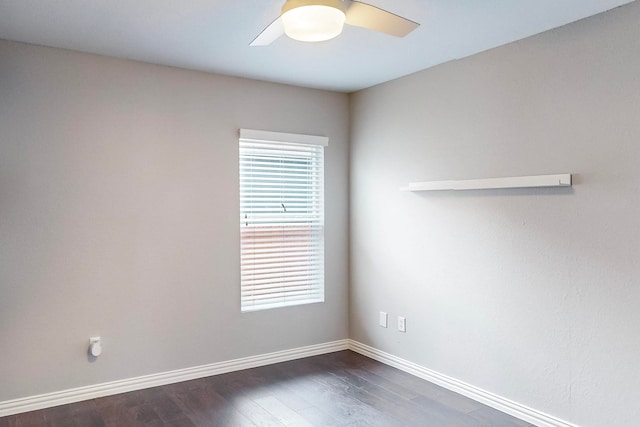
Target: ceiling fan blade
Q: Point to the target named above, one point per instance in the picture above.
(269, 34)
(376, 19)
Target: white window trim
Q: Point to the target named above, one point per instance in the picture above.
(248, 280)
(296, 138)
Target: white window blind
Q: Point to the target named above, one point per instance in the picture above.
(281, 219)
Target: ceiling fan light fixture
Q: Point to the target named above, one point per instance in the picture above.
(313, 20)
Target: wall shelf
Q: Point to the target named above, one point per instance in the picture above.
(558, 180)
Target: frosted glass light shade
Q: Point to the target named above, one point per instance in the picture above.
(313, 23)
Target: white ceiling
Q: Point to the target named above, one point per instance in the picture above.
(214, 35)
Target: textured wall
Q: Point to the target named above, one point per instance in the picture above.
(119, 217)
(530, 294)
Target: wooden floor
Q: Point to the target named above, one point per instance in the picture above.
(337, 389)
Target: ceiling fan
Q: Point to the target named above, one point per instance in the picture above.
(319, 20)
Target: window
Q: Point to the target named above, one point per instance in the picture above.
(281, 219)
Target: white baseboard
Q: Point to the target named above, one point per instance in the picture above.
(48, 400)
(490, 399)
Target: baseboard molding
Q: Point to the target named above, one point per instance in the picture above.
(490, 399)
(48, 400)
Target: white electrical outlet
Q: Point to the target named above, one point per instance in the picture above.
(383, 319)
(402, 324)
(95, 346)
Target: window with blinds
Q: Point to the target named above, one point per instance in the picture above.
(281, 219)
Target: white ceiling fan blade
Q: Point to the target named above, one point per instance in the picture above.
(269, 34)
(376, 19)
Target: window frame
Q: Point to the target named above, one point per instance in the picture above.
(294, 238)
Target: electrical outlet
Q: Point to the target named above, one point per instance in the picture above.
(402, 324)
(95, 346)
(383, 319)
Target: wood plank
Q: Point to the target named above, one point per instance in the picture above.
(341, 389)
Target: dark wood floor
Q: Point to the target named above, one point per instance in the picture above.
(337, 389)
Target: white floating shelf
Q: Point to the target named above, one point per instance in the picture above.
(559, 180)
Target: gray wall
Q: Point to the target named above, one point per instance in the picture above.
(119, 217)
(529, 294)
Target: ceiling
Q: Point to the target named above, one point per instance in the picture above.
(214, 35)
